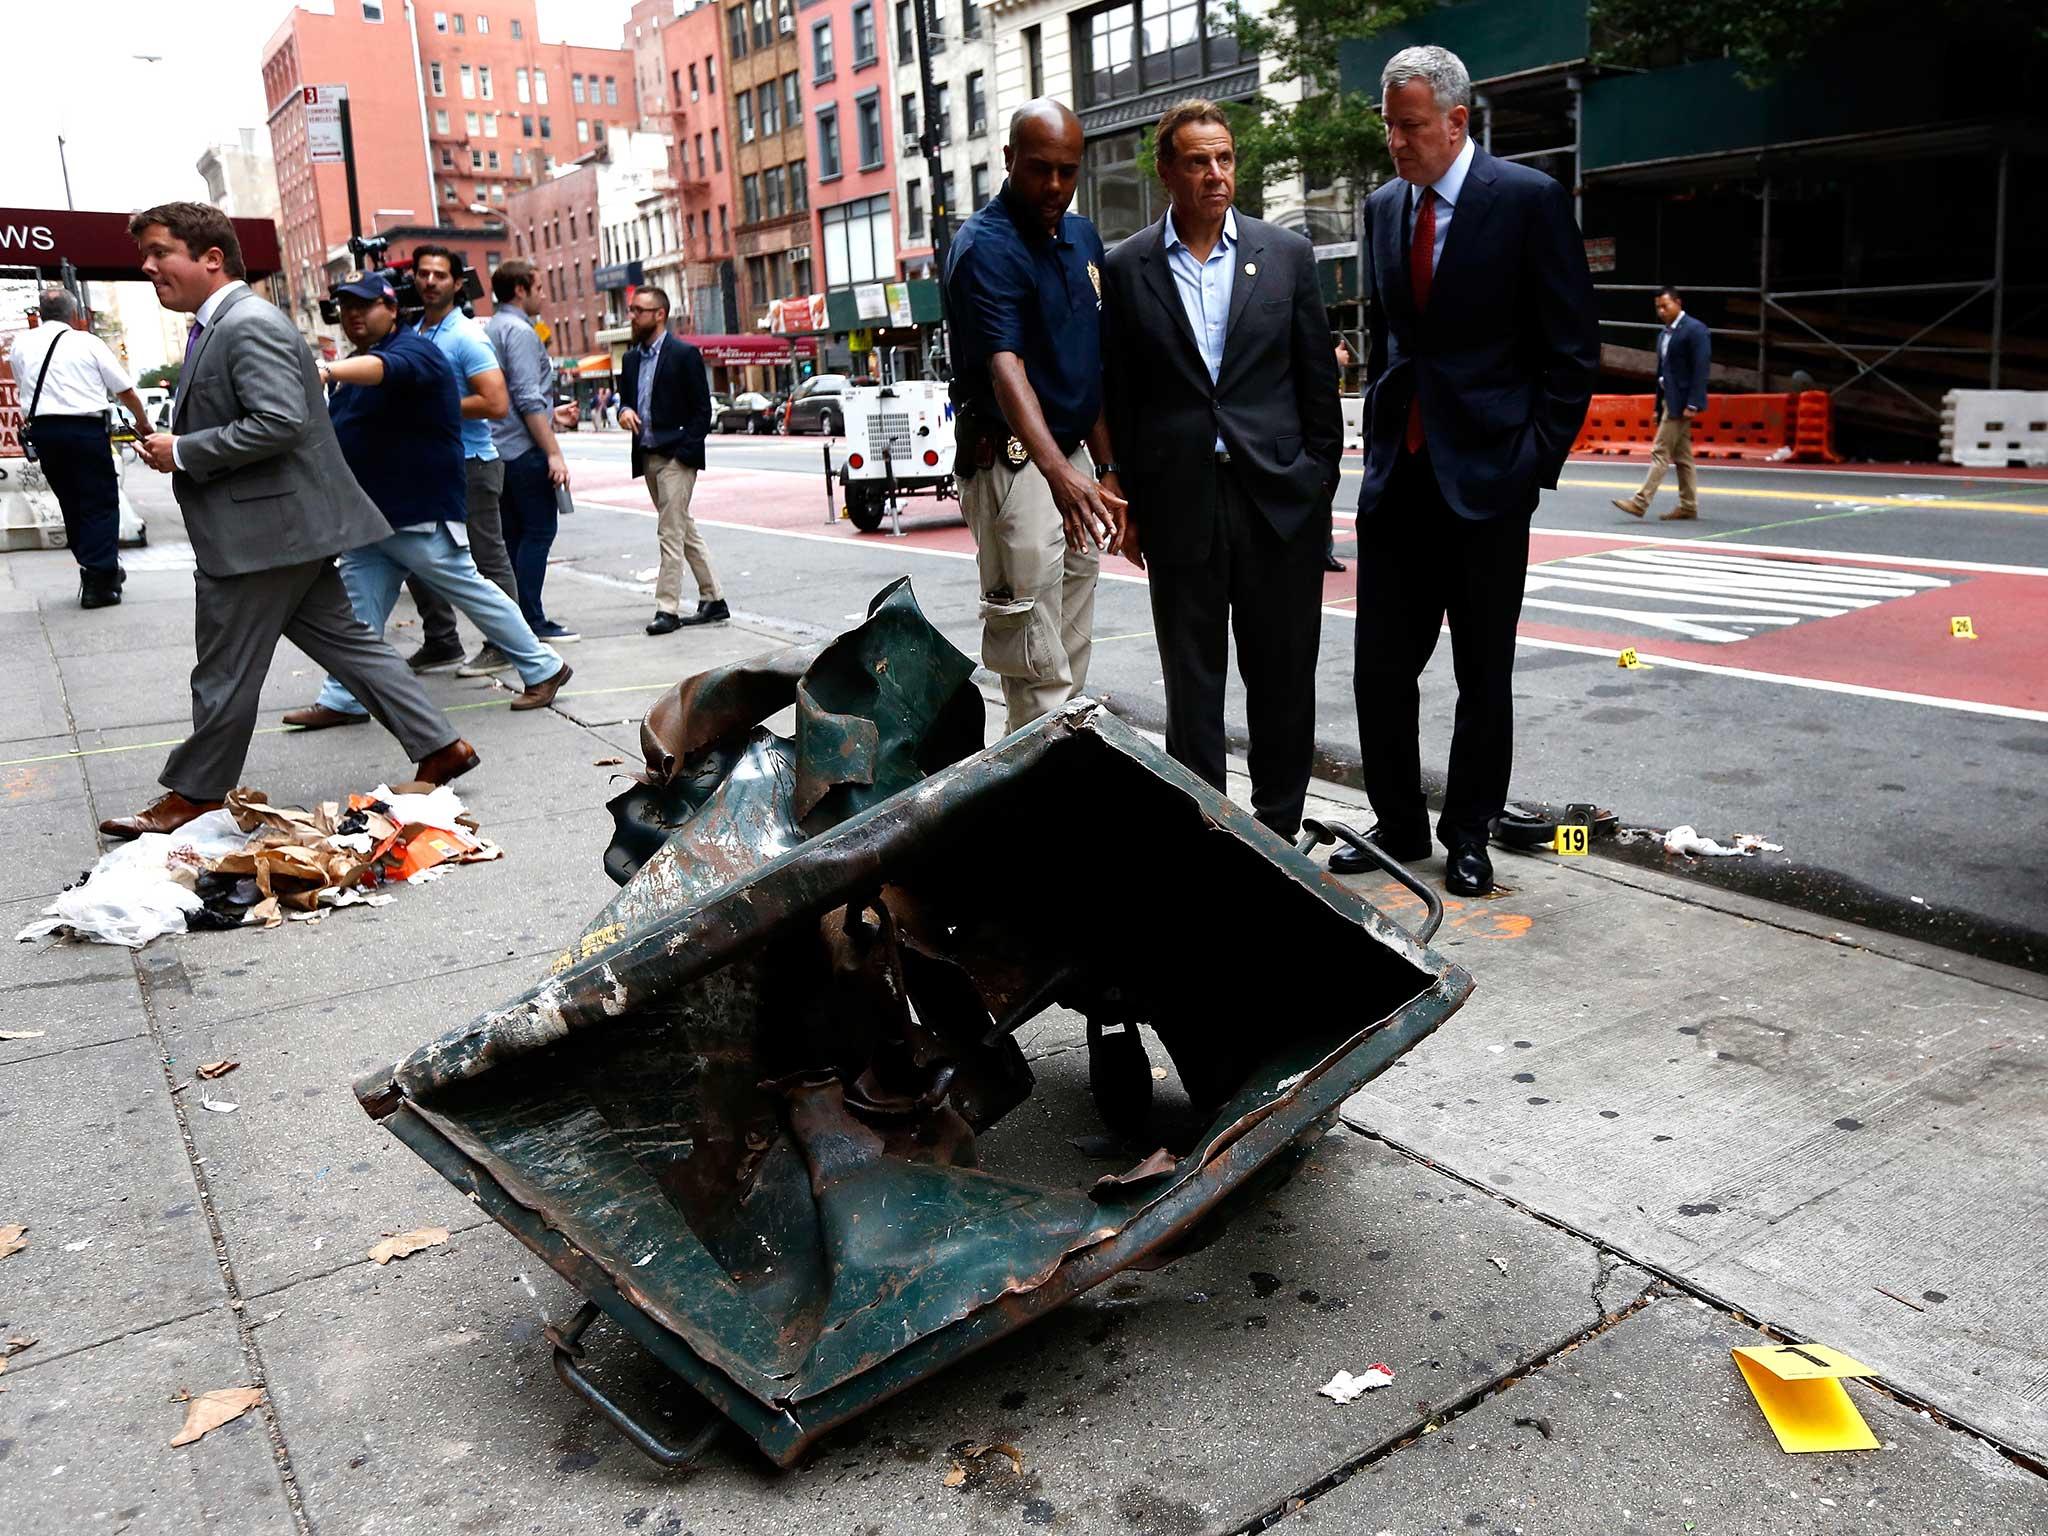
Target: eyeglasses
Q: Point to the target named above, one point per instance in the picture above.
(644, 309)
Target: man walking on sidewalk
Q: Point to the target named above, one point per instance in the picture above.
(669, 415)
(437, 272)
(533, 460)
(397, 412)
(268, 503)
(62, 377)
(1684, 349)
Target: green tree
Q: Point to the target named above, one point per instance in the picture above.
(165, 377)
(1329, 133)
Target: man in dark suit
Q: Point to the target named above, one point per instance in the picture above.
(268, 503)
(1222, 394)
(668, 412)
(1484, 346)
(1684, 352)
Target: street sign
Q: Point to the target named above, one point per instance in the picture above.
(1600, 253)
(323, 123)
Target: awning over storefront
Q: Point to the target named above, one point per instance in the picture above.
(739, 351)
(100, 247)
(596, 363)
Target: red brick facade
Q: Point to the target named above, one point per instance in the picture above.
(554, 226)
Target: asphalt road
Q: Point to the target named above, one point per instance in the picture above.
(1802, 681)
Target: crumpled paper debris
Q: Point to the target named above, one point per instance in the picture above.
(1347, 1388)
(209, 1410)
(1687, 840)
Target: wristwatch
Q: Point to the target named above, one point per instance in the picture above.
(1104, 471)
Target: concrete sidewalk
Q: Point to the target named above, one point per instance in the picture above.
(1667, 1115)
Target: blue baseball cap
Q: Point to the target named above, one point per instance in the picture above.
(367, 286)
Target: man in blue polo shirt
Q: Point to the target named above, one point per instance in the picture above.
(397, 412)
(1024, 290)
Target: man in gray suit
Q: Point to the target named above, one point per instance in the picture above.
(268, 503)
(1221, 388)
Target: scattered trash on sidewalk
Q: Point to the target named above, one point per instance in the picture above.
(252, 863)
(15, 1346)
(209, 1410)
(407, 1243)
(1496, 1263)
(78, 1247)
(1347, 1388)
(606, 762)
(21, 1034)
(1687, 840)
(1799, 1388)
(220, 1106)
(957, 1474)
(12, 1240)
(212, 1069)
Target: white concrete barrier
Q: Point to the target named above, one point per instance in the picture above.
(1994, 428)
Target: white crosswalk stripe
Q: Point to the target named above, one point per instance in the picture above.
(1711, 595)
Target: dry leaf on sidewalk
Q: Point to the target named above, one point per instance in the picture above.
(209, 1410)
(213, 1069)
(606, 762)
(12, 1241)
(407, 1243)
(16, 1345)
(37, 1034)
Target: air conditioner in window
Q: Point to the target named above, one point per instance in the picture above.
(912, 145)
(786, 25)
(977, 126)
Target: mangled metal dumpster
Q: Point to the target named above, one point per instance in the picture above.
(741, 1114)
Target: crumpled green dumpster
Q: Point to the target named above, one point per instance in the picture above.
(741, 1113)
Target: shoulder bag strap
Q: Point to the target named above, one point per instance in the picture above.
(37, 398)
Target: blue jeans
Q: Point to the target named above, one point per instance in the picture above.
(527, 515)
(374, 573)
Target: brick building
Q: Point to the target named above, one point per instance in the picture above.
(451, 115)
(555, 226)
(769, 99)
(694, 72)
(854, 132)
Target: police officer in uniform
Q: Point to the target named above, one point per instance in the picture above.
(1037, 478)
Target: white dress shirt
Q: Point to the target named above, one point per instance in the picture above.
(205, 316)
(1447, 188)
(1664, 336)
(84, 372)
(1205, 288)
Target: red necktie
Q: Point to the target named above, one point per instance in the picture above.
(1421, 268)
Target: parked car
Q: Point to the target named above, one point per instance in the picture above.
(750, 412)
(819, 405)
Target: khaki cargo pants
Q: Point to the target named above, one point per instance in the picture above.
(1037, 596)
(1673, 447)
(670, 483)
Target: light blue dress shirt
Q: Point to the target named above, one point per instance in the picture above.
(650, 355)
(1447, 187)
(1205, 288)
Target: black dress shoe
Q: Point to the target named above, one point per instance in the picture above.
(1468, 871)
(1347, 860)
(1333, 565)
(664, 623)
(713, 612)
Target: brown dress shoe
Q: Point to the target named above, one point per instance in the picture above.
(542, 693)
(451, 762)
(1629, 507)
(1679, 515)
(318, 717)
(166, 814)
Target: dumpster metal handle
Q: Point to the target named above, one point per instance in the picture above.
(1314, 832)
(569, 1368)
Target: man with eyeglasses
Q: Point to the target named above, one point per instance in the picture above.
(668, 411)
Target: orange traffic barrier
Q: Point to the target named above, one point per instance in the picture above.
(1761, 428)
(1813, 428)
(1618, 424)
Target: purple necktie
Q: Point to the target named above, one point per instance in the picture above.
(192, 341)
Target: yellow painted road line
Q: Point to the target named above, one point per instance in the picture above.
(1929, 503)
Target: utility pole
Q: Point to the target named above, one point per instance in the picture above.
(928, 140)
(348, 166)
(65, 166)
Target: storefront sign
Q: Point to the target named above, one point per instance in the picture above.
(624, 274)
(871, 301)
(1600, 254)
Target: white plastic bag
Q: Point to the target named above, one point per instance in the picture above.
(135, 892)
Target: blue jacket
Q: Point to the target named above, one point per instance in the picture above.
(403, 438)
(1682, 371)
(679, 410)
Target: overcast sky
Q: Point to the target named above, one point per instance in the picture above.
(133, 129)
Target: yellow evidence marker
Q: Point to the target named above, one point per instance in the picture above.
(1628, 659)
(1572, 840)
(1798, 1387)
(1960, 628)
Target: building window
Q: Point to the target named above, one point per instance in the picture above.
(909, 114)
(868, 114)
(456, 23)
(547, 129)
(576, 89)
(859, 242)
(978, 183)
(448, 194)
(440, 119)
(745, 104)
(435, 80)
(799, 187)
(863, 34)
(483, 24)
(693, 83)
(750, 199)
(717, 154)
(913, 213)
(764, 24)
(582, 130)
(821, 50)
(497, 191)
(944, 202)
(447, 157)
(611, 91)
(828, 143)
(521, 86)
(491, 159)
(724, 228)
(977, 106)
(476, 159)
(792, 101)
(771, 108)
(490, 125)
(906, 32)
(773, 203)
(1119, 198)
(467, 81)
(473, 124)
(1144, 45)
(440, 21)
(373, 10)
(710, 75)
(517, 31)
(526, 126)
(736, 30)
(970, 19)
(1034, 61)
(800, 270)
(483, 82)
(540, 86)
(942, 113)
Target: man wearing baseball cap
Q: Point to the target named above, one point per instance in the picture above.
(397, 411)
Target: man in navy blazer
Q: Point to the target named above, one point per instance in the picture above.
(1684, 351)
(668, 411)
(1484, 346)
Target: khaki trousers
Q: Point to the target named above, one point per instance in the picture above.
(1673, 446)
(1037, 596)
(669, 484)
